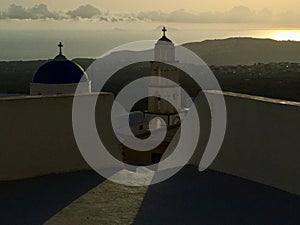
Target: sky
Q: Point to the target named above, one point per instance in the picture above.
(275, 13)
(165, 5)
(186, 20)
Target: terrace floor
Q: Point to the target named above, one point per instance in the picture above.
(189, 197)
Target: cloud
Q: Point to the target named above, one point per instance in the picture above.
(16, 12)
(41, 11)
(238, 14)
(84, 11)
(37, 12)
(235, 15)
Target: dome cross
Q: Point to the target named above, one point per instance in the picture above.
(164, 30)
(60, 45)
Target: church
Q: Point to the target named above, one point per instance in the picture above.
(60, 76)
(37, 136)
(163, 66)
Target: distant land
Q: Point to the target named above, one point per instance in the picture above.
(261, 67)
(245, 51)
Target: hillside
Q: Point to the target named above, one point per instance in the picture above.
(258, 75)
(245, 51)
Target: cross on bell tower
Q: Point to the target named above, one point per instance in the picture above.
(164, 30)
(60, 45)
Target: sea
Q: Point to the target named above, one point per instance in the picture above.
(40, 42)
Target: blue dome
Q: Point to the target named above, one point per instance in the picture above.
(60, 71)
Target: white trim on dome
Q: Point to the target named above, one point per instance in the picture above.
(54, 89)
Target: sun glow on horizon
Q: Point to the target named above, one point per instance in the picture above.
(286, 35)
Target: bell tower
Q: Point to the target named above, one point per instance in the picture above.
(164, 65)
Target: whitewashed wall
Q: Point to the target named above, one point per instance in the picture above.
(36, 135)
(262, 141)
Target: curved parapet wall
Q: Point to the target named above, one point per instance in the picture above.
(262, 141)
(37, 137)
